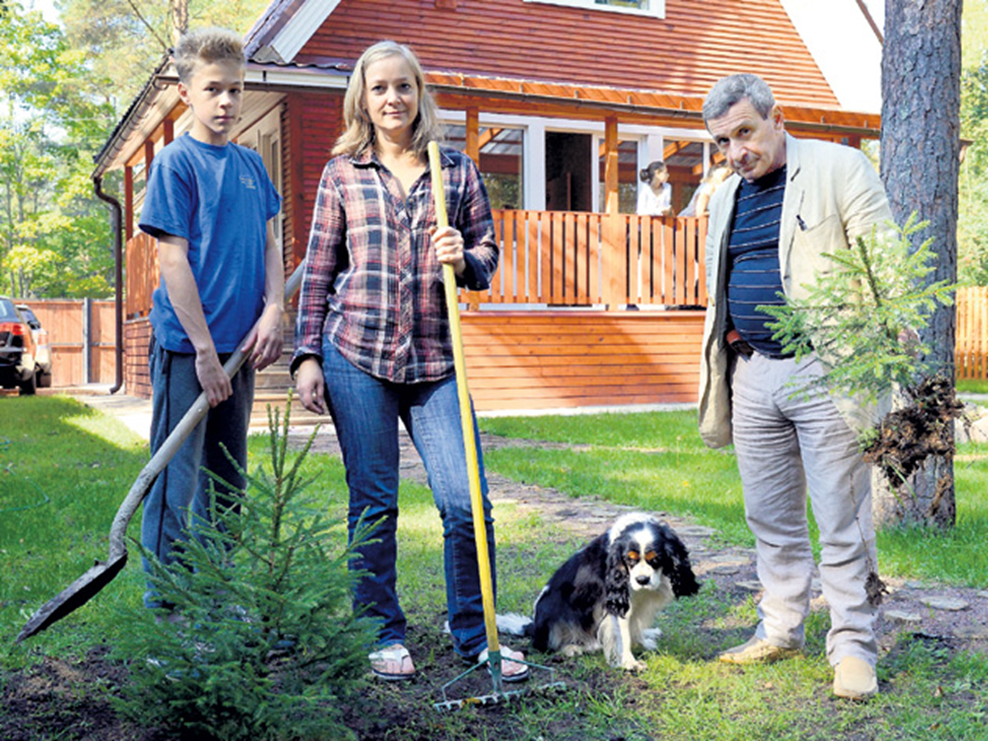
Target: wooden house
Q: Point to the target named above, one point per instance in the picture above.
(561, 103)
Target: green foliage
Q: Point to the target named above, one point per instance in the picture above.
(61, 93)
(972, 224)
(126, 40)
(262, 643)
(972, 233)
(85, 461)
(54, 235)
(855, 314)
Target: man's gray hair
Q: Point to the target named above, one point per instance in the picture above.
(730, 90)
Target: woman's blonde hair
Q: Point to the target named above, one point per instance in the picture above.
(359, 132)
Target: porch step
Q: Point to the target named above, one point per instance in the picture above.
(278, 399)
(271, 387)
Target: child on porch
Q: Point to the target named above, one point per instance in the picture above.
(209, 203)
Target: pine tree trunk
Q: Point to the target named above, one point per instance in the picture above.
(920, 159)
(180, 18)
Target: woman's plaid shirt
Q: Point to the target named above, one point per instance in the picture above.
(372, 284)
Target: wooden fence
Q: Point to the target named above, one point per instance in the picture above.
(83, 336)
(972, 332)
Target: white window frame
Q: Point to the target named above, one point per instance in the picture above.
(656, 8)
(651, 141)
(598, 142)
(494, 120)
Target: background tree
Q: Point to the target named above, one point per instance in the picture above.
(51, 225)
(61, 93)
(920, 148)
(973, 219)
(126, 39)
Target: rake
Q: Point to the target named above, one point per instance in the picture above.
(493, 661)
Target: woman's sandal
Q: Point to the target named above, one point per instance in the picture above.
(511, 671)
(392, 663)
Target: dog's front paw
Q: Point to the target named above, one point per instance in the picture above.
(632, 664)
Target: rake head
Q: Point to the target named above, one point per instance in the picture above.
(498, 695)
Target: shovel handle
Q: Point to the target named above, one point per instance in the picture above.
(162, 457)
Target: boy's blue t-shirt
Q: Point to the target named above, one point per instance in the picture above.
(219, 199)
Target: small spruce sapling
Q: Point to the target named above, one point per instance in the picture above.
(863, 317)
(263, 642)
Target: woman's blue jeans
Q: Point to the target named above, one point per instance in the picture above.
(366, 411)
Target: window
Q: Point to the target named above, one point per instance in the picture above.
(684, 158)
(655, 8)
(627, 177)
(500, 162)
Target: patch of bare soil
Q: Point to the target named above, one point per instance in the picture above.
(72, 701)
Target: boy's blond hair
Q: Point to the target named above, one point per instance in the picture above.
(359, 133)
(207, 46)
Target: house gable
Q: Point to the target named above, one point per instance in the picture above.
(696, 43)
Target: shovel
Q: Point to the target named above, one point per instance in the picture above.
(102, 573)
(494, 658)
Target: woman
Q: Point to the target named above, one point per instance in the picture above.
(373, 345)
(708, 185)
(656, 198)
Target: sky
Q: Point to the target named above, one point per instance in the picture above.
(47, 8)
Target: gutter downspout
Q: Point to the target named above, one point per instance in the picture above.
(116, 221)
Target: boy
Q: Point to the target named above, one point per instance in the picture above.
(209, 203)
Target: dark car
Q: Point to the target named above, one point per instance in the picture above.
(42, 357)
(18, 350)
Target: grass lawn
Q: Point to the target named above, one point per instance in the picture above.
(64, 470)
(656, 461)
(972, 386)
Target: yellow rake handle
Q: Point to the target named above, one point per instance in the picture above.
(466, 417)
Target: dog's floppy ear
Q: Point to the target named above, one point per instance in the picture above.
(676, 565)
(616, 582)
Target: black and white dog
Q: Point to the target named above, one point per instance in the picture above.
(606, 596)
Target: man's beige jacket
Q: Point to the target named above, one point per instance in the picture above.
(833, 195)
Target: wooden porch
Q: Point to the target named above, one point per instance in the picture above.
(554, 330)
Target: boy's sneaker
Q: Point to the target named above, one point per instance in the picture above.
(756, 651)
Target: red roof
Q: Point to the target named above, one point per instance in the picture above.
(684, 53)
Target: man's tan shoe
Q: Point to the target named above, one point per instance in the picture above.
(855, 679)
(756, 651)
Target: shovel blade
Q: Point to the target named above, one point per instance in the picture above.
(73, 596)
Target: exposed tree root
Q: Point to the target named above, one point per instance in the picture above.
(923, 428)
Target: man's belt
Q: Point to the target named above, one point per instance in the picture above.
(737, 343)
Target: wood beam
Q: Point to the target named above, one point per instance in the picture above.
(473, 134)
(611, 200)
(487, 137)
(128, 203)
(673, 148)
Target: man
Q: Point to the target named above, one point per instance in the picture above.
(768, 231)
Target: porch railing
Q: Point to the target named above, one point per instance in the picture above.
(560, 258)
(142, 274)
(552, 258)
